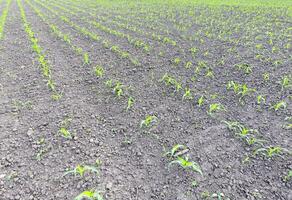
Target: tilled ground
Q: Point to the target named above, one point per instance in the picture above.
(34, 157)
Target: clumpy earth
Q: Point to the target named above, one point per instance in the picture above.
(170, 49)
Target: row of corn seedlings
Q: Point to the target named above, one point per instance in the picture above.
(44, 64)
(3, 18)
(114, 48)
(64, 37)
(138, 43)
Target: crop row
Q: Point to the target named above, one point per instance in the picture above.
(3, 18)
(44, 64)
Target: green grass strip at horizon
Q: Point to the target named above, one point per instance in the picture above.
(251, 3)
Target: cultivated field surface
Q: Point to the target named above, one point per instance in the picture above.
(145, 100)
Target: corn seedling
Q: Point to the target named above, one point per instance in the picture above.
(171, 81)
(188, 65)
(214, 96)
(86, 59)
(148, 121)
(240, 89)
(201, 101)
(186, 164)
(261, 99)
(247, 134)
(285, 82)
(288, 176)
(218, 195)
(280, 105)
(194, 183)
(64, 129)
(188, 94)
(118, 89)
(56, 96)
(205, 195)
(65, 133)
(90, 195)
(116, 86)
(215, 107)
(109, 83)
(193, 50)
(51, 84)
(246, 68)
(176, 61)
(81, 170)
(19, 105)
(167, 40)
(41, 153)
(289, 125)
(266, 76)
(131, 101)
(271, 151)
(210, 73)
(99, 71)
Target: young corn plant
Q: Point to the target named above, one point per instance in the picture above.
(86, 60)
(193, 50)
(90, 195)
(244, 133)
(215, 107)
(210, 73)
(271, 151)
(266, 76)
(172, 82)
(130, 103)
(188, 65)
(246, 68)
(201, 65)
(99, 71)
(241, 90)
(116, 86)
(63, 131)
(118, 89)
(149, 121)
(201, 101)
(56, 96)
(285, 82)
(289, 123)
(19, 105)
(176, 61)
(51, 84)
(188, 94)
(288, 176)
(186, 164)
(280, 105)
(261, 99)
(81, 170)
(176, 155)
